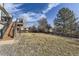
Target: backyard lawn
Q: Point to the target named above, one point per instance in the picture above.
(40, 44)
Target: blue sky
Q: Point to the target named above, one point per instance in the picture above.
(34, 11)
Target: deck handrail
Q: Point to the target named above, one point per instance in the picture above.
(3, 9)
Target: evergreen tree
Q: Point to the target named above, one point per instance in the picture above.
(65, 22)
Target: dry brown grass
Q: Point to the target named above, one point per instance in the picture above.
(39, 44)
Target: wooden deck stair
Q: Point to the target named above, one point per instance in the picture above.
(11, 31)
(8, 31)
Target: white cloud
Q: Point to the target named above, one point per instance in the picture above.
(14, 19)
(17, 5)
(43, 16)
(12, 8)
(31, 16)
(50, 6)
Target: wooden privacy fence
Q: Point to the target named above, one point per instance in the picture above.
(66, 35)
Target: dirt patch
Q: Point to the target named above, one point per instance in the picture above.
(8, 42)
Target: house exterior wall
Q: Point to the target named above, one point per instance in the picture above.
(5, 19)
(1, 4)
(0, 14)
